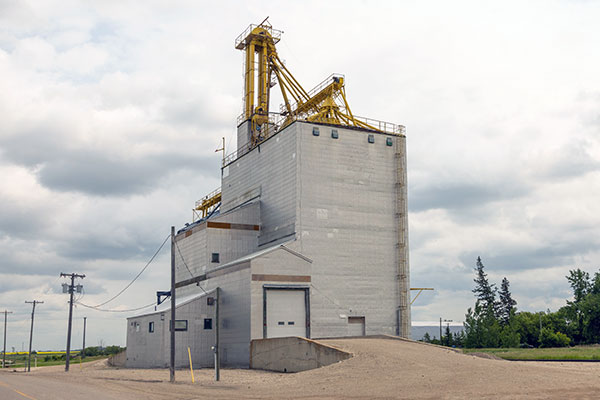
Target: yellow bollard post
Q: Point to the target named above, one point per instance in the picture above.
(191, 367)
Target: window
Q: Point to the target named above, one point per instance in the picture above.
(137, 327)
(389, 141)
(214, 257)
(151, 326)
(334, 134)
(291, 322)
(280, 322)
(316, 131)
(371, 139)
(207, 323)
(181, 325)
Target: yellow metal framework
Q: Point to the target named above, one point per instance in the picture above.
(206, 204)
(326, 103)
(420, 289)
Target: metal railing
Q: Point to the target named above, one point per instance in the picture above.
(387, 127)
(208, 197)
(275, 34)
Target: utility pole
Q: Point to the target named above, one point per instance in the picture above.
(71, 288)
(440, 330)
(172, 366)
(31, 332)
(83, 348)
(4, 351)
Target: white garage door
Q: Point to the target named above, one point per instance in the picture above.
(286, 313)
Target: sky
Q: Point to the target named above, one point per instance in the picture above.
(111, 113)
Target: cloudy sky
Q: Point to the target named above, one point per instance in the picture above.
(110, 113)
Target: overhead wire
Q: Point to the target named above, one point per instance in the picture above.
(134, 279)
(115, 310)
(188, 268)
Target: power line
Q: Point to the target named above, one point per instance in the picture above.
(188, 268)
(134, 279)
(116, 311)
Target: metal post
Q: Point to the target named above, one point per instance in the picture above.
(172, 364)
(440, 330)
(83, 347)
(31, 331)
(4, 351)
(217, 344)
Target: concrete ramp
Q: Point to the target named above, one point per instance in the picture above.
(293, 354)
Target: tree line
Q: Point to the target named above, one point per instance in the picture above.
(495, 322)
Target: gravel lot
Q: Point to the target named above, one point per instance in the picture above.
(380, 368)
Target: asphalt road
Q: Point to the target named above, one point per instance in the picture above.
(22, 386)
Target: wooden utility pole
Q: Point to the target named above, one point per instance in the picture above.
(172, 364)
(83, 347)
(4, 351)
(71, 290)
(31, 332)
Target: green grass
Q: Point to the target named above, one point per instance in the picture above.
(21, 361)
(558, 353)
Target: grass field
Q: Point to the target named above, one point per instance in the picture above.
(559, 353)
(16, 362)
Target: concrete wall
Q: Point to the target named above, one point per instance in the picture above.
(293, 354)
(346, 223)
(269, 171)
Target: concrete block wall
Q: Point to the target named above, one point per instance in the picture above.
(279, 263)
(347, 225)
(269, 171)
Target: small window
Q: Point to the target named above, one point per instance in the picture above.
(181, 325)
(316, 131)
(281, 323)
(389, 141)
(371, 139)
(137, 327)
(151, 326)
(334, 134)
(291, 322)
(207, 323)
(214, 257)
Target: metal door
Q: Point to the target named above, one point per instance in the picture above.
(356, 326)
(286, 313)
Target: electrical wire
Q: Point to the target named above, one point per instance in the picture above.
(188, 268)
(134, 279)
(129, 310)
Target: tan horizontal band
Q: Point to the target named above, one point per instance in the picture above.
(281, 278)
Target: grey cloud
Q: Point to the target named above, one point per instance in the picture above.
(461, 195)
(94, 172)
(551, 254)
(99, 174)
(569, 162)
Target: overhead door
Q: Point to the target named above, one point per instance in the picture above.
(286, 313)
(356, 326)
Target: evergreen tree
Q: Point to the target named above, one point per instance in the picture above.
(427, 337)
(484, 291)
(448, 336)
(507, 304)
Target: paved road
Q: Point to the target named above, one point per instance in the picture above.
(23, 386)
